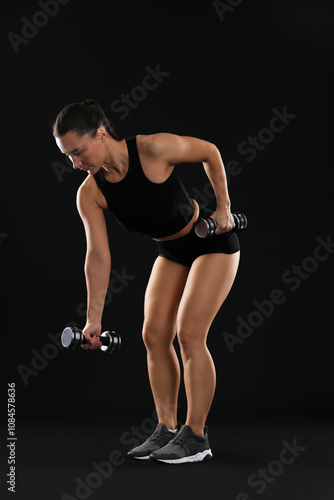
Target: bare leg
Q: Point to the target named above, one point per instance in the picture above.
(162, 297)
(209, 282)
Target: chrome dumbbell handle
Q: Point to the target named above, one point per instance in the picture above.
(72, 338)
(207, 227)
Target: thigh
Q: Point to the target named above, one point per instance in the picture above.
(162, 297)
(210, 279)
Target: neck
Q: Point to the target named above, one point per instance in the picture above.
(117, 157)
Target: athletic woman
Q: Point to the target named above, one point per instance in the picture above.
(191, 277)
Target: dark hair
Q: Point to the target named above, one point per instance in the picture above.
(83, 118)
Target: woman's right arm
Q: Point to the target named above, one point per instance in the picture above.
(97, 263)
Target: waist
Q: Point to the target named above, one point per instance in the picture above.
(186, 229)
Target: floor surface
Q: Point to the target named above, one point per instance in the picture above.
(276, 458)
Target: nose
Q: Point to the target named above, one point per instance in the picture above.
(76, 163)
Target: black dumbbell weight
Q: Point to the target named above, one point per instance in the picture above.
(72, 337)
(207, 227)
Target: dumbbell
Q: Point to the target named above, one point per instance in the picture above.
(72, 337)
(207, 227)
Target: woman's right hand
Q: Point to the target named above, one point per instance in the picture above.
(92, 332)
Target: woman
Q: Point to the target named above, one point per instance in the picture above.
(191, 277)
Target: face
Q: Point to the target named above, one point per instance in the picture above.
(85, 153)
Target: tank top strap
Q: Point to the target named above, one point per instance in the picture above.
(135, 168)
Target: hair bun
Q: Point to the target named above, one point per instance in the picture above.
(88, 102)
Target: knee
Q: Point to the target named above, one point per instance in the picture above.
(191, 337)
(156, 336)
(150, 336)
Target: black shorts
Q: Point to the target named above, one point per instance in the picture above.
(187, 248)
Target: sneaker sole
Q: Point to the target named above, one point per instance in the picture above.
(194, 458)
(147, 457)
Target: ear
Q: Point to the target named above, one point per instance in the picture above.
(101, 134)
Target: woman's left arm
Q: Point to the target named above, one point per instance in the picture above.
(174, 149)
(215, 171)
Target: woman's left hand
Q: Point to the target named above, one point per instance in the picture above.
(224, 219)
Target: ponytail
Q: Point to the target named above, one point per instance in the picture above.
(83, 118)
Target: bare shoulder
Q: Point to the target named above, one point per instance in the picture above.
(86, 188)
(155, 145)
(89, 194)
(172, 149)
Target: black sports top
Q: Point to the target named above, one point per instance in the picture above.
(157, 210)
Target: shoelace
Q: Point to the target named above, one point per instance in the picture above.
(156, 437)
(179, 439)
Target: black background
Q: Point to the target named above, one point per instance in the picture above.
(224, 78)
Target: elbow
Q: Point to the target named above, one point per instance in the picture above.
(98, 257)
(212, 153)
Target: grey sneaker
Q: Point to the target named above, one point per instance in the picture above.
(185, 447)
(160, 437)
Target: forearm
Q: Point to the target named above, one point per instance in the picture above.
(215, 170)
(97, 272)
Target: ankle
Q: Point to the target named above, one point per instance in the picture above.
(197, 429)
(170, 424)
